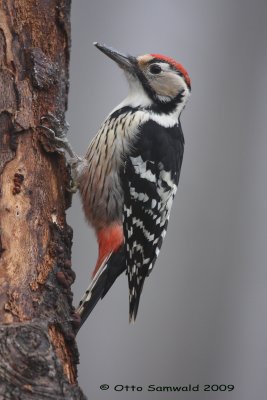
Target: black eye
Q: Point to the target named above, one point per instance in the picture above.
(155, 69)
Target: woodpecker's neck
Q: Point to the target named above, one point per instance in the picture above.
(163, 113)
(137, 97)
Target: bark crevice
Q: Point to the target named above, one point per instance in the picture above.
(38, 355)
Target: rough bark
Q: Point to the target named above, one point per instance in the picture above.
(38, 354)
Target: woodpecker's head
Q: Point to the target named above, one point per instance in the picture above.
(155, 80)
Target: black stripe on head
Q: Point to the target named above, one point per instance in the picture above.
(159, 106)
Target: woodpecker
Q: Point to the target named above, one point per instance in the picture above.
(129, 175)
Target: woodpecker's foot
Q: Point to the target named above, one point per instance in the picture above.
(59, 126)
(54, 138)
(75, 164)
(73, 187)
(55, 131)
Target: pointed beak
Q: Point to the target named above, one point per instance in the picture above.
(126, 62)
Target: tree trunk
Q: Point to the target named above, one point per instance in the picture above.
(38, 353)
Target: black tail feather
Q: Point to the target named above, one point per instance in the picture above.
(108, 273)
(134, 302)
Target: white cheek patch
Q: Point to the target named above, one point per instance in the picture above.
(168, 85)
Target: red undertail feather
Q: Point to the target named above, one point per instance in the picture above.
(109, 240)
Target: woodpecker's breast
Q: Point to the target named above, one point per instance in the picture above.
(99, 181)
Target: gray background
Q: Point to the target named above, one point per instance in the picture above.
(202, 317)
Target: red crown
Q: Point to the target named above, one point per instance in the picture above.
(176, 65)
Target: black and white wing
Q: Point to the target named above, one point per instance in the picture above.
(150, 179)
